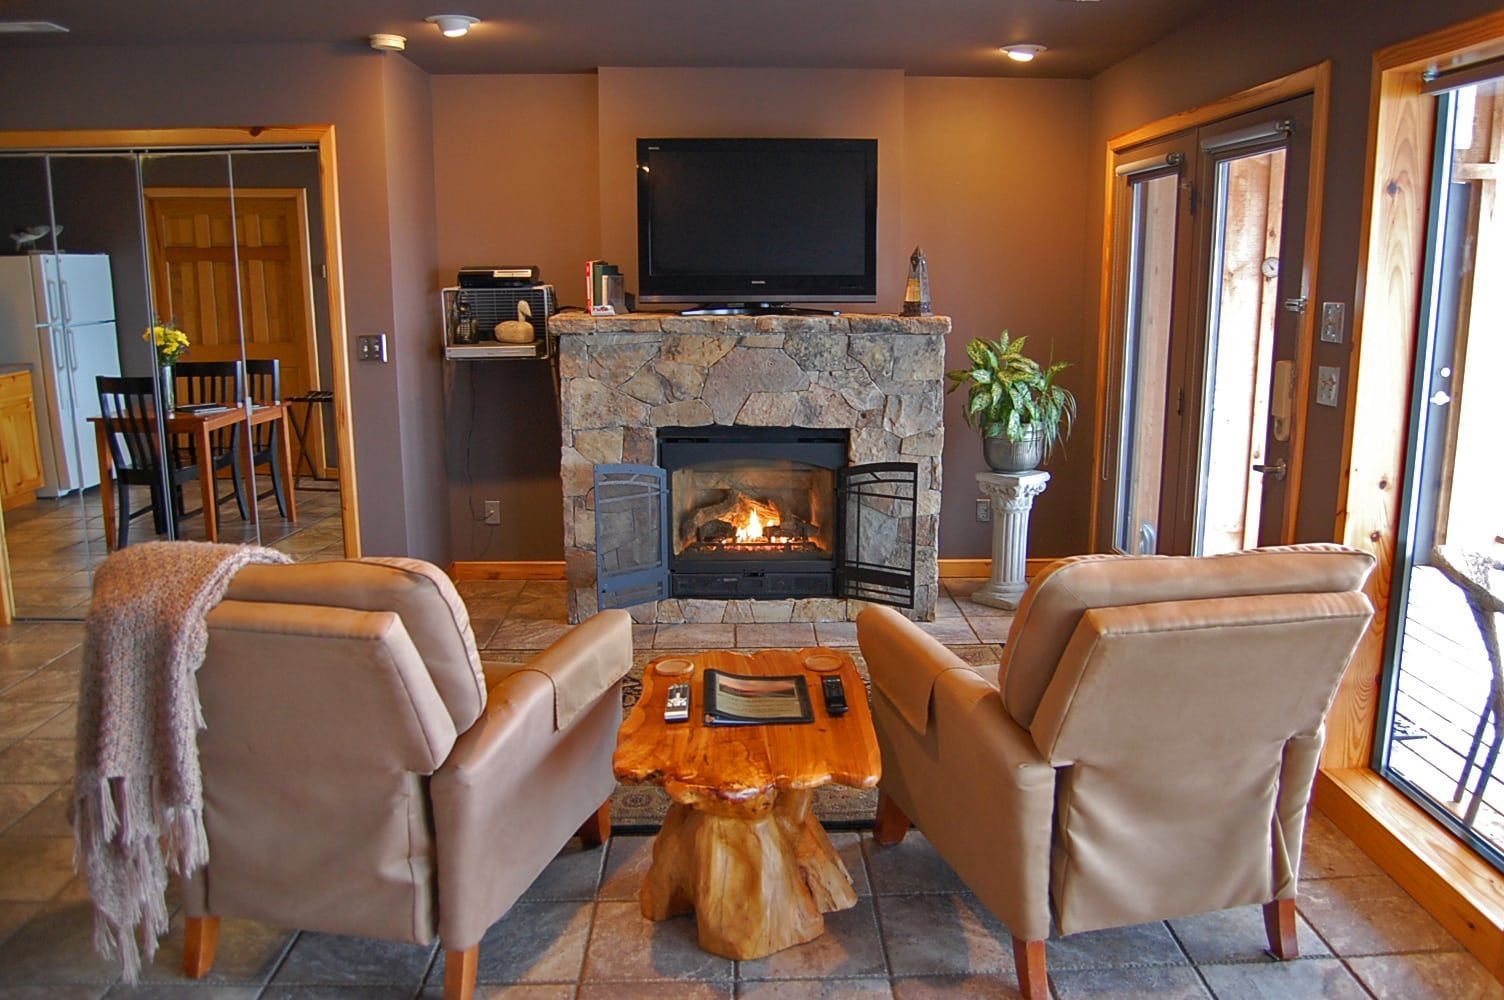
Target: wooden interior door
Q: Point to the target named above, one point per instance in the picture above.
(194, 248)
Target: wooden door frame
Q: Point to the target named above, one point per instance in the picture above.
(231, 138)
(303, 266)
(1315, 81)
(1463, 892)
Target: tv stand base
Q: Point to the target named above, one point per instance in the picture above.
(754, 309)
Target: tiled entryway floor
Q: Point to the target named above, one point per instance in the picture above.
(55, 545)
(915, 933)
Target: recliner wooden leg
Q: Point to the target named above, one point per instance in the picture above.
(200, 939)
(1033, 976)
(891, 824)
(1279, 924)
(459, 973)
(596, 830)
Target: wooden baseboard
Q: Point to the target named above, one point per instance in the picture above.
(953, 569)
(950, 569)
(539, 570)
(1462, 891)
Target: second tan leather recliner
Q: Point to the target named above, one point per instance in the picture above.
(363, 776)
(1147, 750)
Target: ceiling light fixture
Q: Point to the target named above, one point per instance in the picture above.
(453, 25)
(1024, 52)
(383, 42)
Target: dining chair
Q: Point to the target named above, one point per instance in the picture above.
(202, 383)
(129, 410)
(1471, 570)
(264, 385)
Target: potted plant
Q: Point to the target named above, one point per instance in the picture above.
(1015, 402)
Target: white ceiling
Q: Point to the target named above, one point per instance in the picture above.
(922, 37)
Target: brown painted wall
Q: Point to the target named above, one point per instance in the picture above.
(516, 169)
(1242, 45)
(105, 87)
(994, 190)
(408, 105)
(981, 172)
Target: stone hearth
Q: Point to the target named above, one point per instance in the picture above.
(623, 377)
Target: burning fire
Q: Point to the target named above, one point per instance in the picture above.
(752, 519)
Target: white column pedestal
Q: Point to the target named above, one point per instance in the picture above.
(1012, 495)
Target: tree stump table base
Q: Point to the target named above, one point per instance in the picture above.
(758, 880)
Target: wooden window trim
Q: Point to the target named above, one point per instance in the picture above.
(1463, 892)
(322, 136)
(1313, 80)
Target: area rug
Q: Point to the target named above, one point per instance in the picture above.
(641, 808)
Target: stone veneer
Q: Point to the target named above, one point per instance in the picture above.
(623, 377)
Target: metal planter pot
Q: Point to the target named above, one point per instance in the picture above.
(1003, 455)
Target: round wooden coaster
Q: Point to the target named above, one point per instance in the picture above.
(674, 666)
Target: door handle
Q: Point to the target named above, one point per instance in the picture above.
(1277, 470)
(67, 305)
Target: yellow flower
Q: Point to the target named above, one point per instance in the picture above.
(169, 341)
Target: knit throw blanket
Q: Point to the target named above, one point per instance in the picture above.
(138, 798)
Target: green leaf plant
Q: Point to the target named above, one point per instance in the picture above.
(1011, 394)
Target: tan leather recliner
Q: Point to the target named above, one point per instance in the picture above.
(363, 776)
(1147, 750)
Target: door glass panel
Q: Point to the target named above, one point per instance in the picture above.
(187, 209)
(43, 477)
(1248, 202)
(1445, 691)
(285, 328)
(1150, 293)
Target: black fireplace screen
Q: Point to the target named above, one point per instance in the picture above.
(631, 545)
(754, 516)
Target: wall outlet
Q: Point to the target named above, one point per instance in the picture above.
(1333, 321)
(371, 347)
(1328, 382)
(493, 511)
(984, 509)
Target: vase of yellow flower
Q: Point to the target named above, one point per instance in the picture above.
(171, 344)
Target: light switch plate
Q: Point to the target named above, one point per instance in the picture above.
(1328, 381)
(1333, 322)
(371, 347)
(984, 509)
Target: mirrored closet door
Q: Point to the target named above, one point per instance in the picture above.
(165, 360)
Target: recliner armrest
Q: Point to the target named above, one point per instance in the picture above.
(590, 659)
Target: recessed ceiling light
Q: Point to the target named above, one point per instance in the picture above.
(31, 28)
(453, 25)
(1023, 52)
(383, 42)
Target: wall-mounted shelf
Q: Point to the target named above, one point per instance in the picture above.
(480, 309)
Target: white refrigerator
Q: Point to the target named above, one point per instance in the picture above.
(57, 314)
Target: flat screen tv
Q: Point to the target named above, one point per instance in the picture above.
(757, 221)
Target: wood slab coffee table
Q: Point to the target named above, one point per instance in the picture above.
(740, 846)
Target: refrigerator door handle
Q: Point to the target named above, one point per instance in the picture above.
(70, 336)
(52, 307)
(66, 302)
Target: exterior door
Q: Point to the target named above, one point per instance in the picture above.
(1208, 296)
(195, 247)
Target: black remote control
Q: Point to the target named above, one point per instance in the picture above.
(835, 695)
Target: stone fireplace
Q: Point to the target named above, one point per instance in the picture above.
(751, 468)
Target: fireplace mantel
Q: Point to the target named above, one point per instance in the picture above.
(622, 377)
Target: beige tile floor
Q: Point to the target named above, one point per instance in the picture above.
(54, 545)
(915, 933)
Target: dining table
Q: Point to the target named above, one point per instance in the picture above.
(200, 425)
